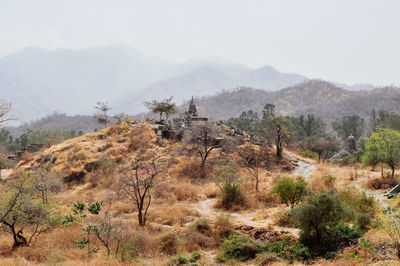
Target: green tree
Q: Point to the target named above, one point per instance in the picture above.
(291, 191)
(246, 121)
(349, 125)
(278, 131)
(384, 147)
(165, 106)
(319, 214)
(307, 126)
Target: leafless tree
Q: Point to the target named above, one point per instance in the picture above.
(139, 178)
(5, 108)
(202, 139)
(102, 115)
(252, 160)
(109, 229)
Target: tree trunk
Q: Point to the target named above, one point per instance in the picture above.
(141, 218)
(382, 170)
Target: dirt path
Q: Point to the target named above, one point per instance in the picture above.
(302, 168)
(253, 218)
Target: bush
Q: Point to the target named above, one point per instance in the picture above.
(169, 243)
(342, 235)
(238, 248)
(290, 191)
(289, 250)
(320, 222)
(309, 154)
(381, 183)
(227, 179)
(202, 226)
(223, 226)
(181, 259)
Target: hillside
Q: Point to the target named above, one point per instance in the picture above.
(315, 96)
(186, 218)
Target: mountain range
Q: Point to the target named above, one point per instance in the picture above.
(322, 98)
(39, 82)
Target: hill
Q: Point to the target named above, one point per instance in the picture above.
(319, 97)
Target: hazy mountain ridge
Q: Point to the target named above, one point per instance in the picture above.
(40, 81)
(315, 96)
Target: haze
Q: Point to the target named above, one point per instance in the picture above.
(344, 41)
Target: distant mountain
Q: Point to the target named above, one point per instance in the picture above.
(208, 78)
(64, 122)
(39, 81)
(315, 96)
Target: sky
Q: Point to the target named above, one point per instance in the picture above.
(351, 41)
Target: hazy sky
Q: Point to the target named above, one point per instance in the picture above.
(341, 40)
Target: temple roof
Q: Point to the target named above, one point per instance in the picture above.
(192, 108)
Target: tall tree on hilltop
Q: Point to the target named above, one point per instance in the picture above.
(165, 106)
(102, 116)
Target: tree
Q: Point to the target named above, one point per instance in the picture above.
(349, 125)
(290, 191)
(165, 106)
(320, 213)
(383, 147)
(139, 178)
(22, 211)
(245, 122)
(269, 110)
(5, 108)
(278, 130)
(252, 160)
(307, 126)
(323, 146)
(97, 222)
(202, 139)
(102, 115)
(392, 227)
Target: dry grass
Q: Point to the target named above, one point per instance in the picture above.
(177, 214)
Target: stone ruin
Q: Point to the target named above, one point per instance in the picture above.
(176, 128)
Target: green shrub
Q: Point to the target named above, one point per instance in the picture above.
(289, 250)
(290, 191)
(364, 221)
(309, 154)
(342, 235)
(181, 259)
(238, 248)
(227, 179)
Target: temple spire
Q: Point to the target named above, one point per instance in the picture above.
(192, 108)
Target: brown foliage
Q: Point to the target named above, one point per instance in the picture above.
(381, 183)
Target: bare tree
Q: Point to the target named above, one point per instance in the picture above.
(138, 180)
(107, 229)
(5, 108)
(251, 159)
(202, 139)
(21, 211)
(102, 115)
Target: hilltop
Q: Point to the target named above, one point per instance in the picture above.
(316, 96)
